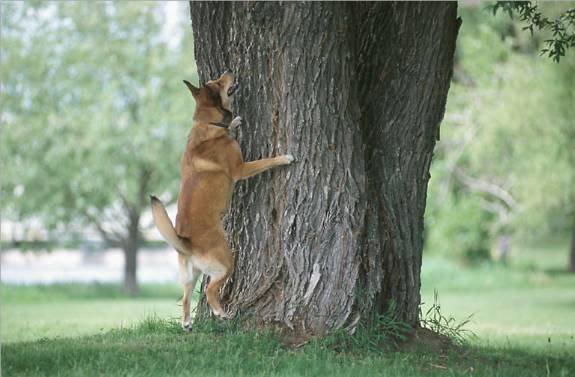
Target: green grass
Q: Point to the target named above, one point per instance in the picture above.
(530, 305)
(68, 310)
(158, 347)
(523, 316)
(29, 321)
(510, 309)
(82, 292)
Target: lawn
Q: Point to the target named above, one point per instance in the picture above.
(530, 309)
(70, 310)
(523, 317)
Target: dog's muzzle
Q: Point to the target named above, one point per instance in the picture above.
(233, 88)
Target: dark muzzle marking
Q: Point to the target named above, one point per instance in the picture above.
(228, 116)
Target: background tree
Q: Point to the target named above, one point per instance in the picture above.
(560, 26)
(90, 132)
(356, 92)
(505, 164)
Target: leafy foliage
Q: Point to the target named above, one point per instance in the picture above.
(562, 27)
(505, 164)
(448, 326)
(94, 112)
(461, 229)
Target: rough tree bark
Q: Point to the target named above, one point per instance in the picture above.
(356, 92)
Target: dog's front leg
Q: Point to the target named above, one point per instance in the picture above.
(249, 169)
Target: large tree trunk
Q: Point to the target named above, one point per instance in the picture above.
(356, 92)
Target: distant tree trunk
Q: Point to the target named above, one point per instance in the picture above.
(133, 208)
(356, 92)
(572, 253)
(131, 244)
(130, 268)
(130, 247)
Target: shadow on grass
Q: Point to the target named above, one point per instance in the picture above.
(157, 347)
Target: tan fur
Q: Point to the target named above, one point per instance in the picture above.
(211, 164)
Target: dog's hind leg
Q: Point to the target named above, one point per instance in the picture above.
(219, 269)
(213, 292)
(188, 277)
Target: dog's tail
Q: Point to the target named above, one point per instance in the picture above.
(167, 230)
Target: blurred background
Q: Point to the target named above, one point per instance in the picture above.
(94, 117)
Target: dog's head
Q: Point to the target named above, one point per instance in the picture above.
(213, 103)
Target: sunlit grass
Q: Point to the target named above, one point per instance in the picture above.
(157, 347)
(79, 291)
(29, 321)
(529, 304)
(522, 315)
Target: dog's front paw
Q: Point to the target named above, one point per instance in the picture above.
(236, 122)
(287, 159)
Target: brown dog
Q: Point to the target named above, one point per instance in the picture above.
(211, 164)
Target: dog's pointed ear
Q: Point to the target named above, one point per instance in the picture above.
(195, 91)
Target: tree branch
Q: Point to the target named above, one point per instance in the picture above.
(497, 208)
(490, 188)
(562, 27)
(108, 235)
